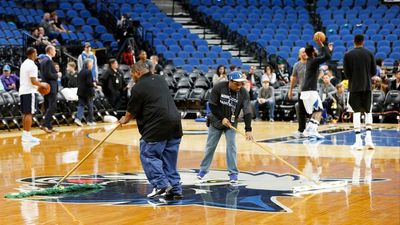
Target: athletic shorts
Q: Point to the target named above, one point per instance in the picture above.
(311, 100)
(361, 101)
(28, 103)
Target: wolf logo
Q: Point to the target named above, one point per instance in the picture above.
(256, 191)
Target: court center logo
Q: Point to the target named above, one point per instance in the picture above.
(255, 191)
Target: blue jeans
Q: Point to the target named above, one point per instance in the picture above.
(212, 141)
(81, 106)
(268, 105)
(159, 161)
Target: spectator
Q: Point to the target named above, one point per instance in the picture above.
(47, 23)
(325, 88)
(220, 75)
(265, 100)
(143, 60)
(336, 103)
(253, 78)
(253, 99)
(56, 25)
(270, 75)
(85, 93)
(232, 68)
(379, 67)
(377, 84)
(113, 84)
(282, 74)
(49, 75)
(87, 53)
(128, 56)
(395, 84)
(59, 75)
(71, 77)
(334, 81)
(10, 81)
(158, 69)
(45, 39)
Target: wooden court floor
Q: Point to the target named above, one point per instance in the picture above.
(372, 196)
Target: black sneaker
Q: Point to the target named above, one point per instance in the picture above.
(158, 192)
(173, 196)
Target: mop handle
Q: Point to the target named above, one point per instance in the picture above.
(87, 156)
(275, 155)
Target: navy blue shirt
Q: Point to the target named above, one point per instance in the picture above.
(151, 103)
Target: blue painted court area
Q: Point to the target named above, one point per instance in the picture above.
(383, 137)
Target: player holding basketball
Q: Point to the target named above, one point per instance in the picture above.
(309, 94)
(28, 88)
(359, 66)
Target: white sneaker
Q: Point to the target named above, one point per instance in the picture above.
(315, 134)
(357, 146)
(92, 124)
(298, 135)
(369, 144)
(29, 138)
(78, 122)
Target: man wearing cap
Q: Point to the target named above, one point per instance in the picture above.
(87, 53)
(265, 100)
(10, 81)
(226, 100)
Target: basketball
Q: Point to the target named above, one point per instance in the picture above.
(45, 90)
(319, 35)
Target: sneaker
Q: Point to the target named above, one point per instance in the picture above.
(298, 135)
(357, 146)
(315, 134)
(158, 192)
(369, 144)
(173, 196)
(233, 178)
(29, 138)
(92, 124)
(78, 122)
(201, 174)
(271, 120)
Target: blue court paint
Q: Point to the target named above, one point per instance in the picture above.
(383, 138)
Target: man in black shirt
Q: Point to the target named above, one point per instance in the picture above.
(159, 123)
(226, 100)
(309, 94)
(359, 66)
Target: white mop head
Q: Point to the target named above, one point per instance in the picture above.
(321, 186)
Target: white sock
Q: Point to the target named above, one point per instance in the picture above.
(357, 121)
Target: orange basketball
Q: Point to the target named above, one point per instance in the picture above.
(45, 90)
(319, 35)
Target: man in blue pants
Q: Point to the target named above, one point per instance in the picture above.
(159, 123)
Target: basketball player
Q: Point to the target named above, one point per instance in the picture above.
(309, 94)
(28, 88)
(298, 74)
(359, 66)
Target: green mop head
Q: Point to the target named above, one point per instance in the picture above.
(56, 190)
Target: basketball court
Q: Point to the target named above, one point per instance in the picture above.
(372, 196)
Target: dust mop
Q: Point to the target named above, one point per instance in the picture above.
(312, 185)
(59, 189)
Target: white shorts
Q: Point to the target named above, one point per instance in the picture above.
(311, 100)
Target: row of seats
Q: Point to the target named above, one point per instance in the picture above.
(244, 3)
(11, 116)
(173, 42)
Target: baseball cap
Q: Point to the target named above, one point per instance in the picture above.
(236, 76)
(87, 44)
(41, 56)
(6, 68)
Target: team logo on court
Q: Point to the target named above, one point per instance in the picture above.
(255, 191)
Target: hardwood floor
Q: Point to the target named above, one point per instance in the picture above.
(372, 196)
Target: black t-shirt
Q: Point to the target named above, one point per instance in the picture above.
(312, 70)
(157, 117)
(359, 66)
(224, 103)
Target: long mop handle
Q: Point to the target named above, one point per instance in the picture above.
(87, 156)
(277, 156)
